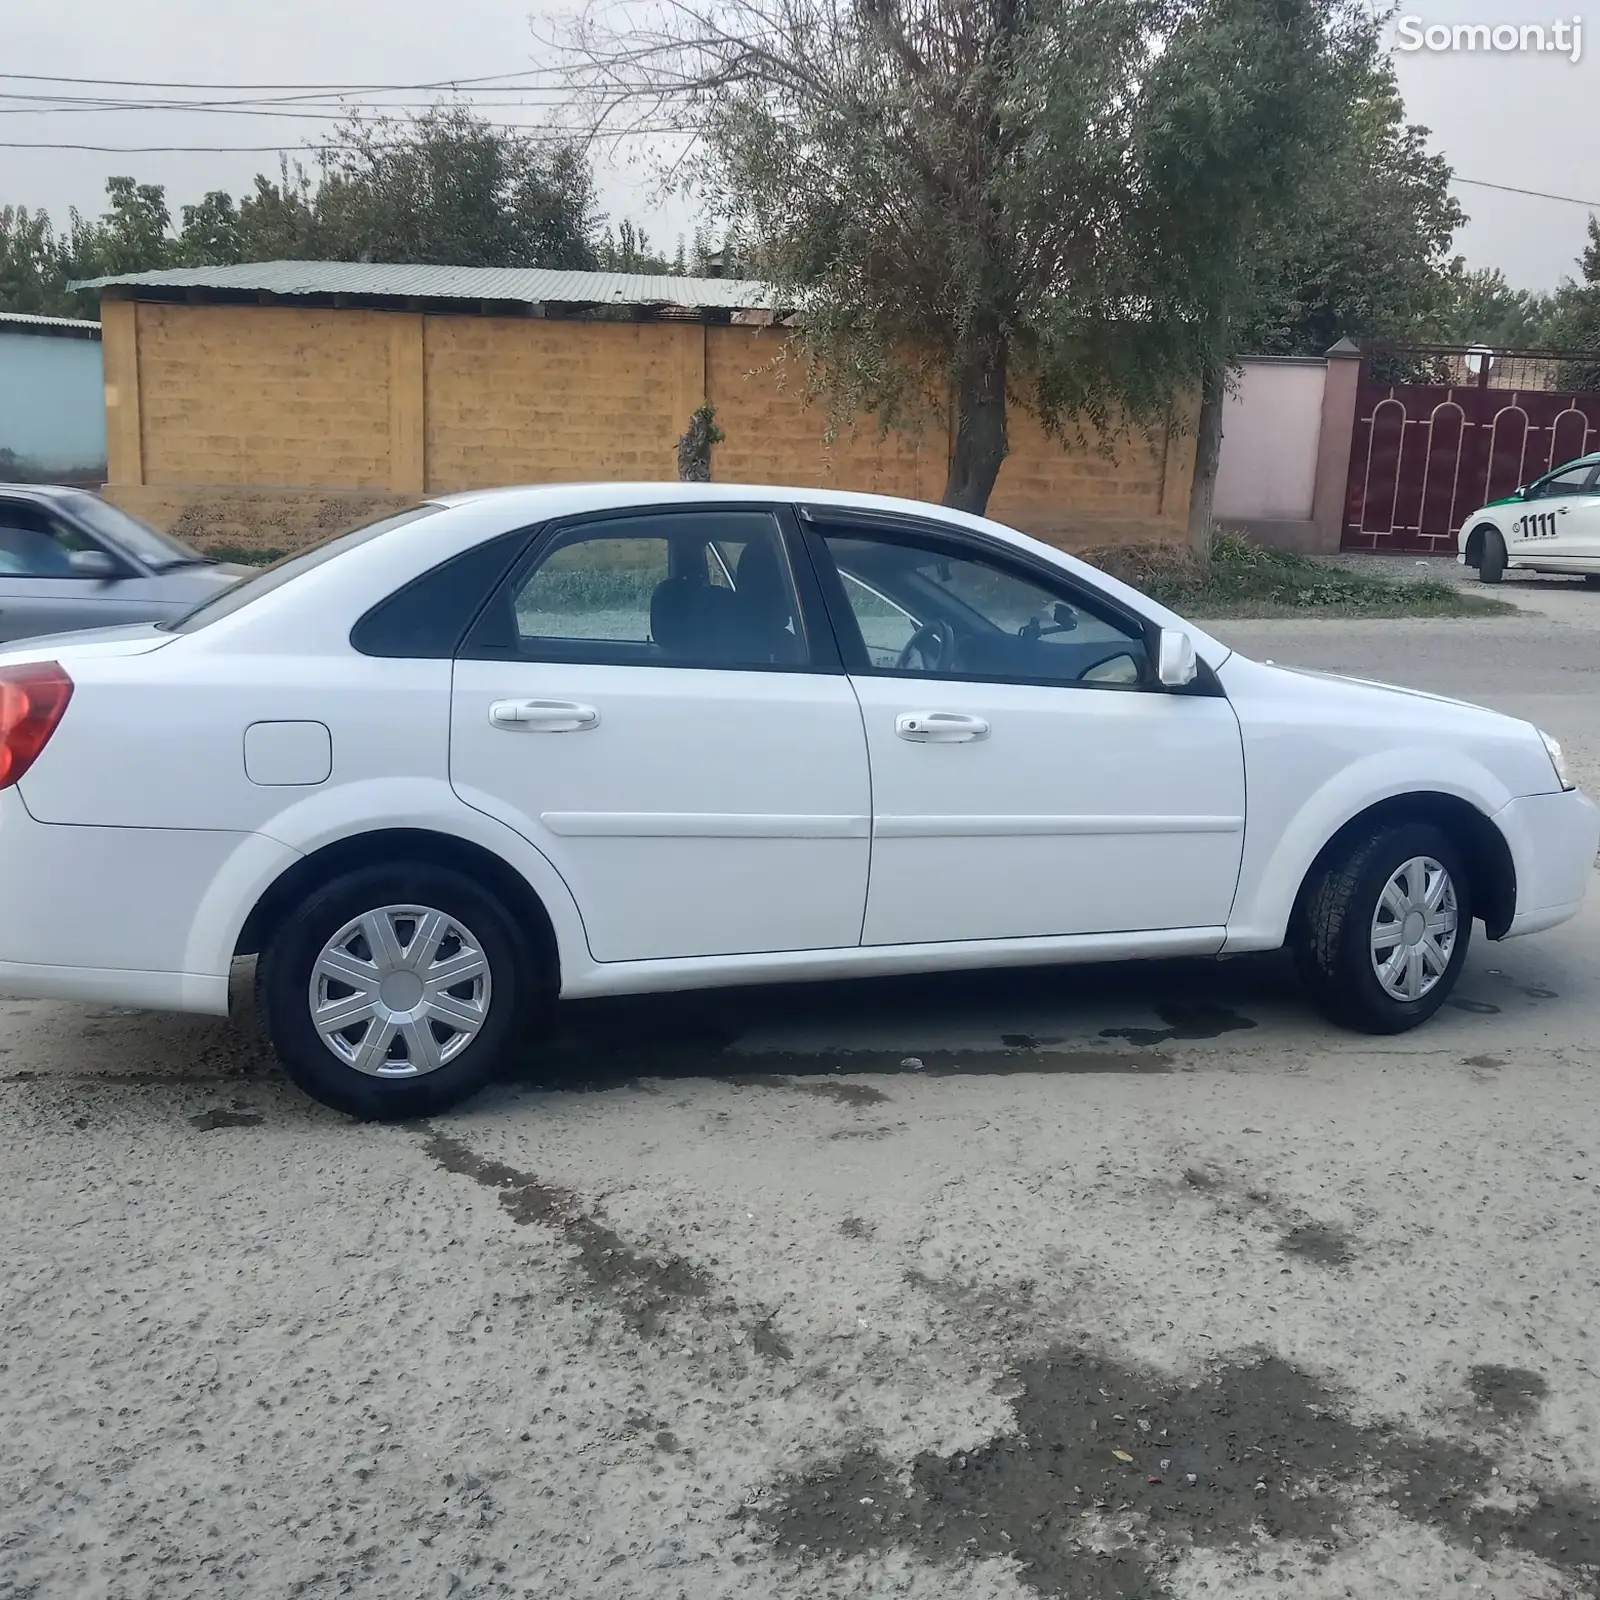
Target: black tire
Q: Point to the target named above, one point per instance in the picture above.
(1492, 557)
(284, 975)
(1332, 934)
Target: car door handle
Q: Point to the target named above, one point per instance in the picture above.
(940, 727)
(543, 716)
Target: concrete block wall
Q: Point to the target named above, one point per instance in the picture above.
(270, 423)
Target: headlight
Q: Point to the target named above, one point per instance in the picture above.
(1557, 760)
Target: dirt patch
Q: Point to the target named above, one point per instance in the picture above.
(847, 1094)
(644, 1286)
(210, 1121)
(1199, 1020)
(1508, 1391)
(1318, 1243)
(857, 1228)
(1255, 1452)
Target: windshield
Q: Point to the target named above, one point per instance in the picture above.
(226, 601)
(145, 544)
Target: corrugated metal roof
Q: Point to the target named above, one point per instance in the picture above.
(531, 285)
(79, 327)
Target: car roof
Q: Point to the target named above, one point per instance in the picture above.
(1577, 461)
(41, 491)
(543, 500)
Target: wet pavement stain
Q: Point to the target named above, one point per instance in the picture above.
(847, 1094)
(1319, 1244)
(210, 1121)
(1479, 1008)
(1508, 1391)
(1198, 1020)
(881, 1132)
(1484, 1063)
(1535, 992)
(857, 1228)
(766, 1341)
(1255, 1451)
(645, 1287)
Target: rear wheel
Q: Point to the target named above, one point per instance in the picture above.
(1492, 556)
(1382, 930)
(396, 991)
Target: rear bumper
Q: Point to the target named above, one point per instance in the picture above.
(124, 916)
(117, 986)
(1553, 839)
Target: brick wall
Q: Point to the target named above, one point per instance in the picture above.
(275, 426)
(264, 395)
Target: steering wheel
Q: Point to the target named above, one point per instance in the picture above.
(933, 642)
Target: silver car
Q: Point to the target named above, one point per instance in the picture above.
(69, 560)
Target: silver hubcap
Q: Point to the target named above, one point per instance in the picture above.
(400, 991)
(1414, 929)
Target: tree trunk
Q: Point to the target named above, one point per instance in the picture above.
(980, 435)
(1207, 455)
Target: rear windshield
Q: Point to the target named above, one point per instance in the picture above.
(226, 601)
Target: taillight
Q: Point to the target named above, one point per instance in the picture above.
(32, 699)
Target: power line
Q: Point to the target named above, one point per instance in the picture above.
(533, 134)
(1538, 194)
(307, 88)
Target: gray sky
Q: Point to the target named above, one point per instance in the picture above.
(1522, 120)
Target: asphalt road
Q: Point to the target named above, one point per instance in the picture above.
(1134, 1281)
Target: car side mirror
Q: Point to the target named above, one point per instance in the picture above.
(1176, 663)
(92, 564)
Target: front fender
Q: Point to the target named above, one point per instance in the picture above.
(1279, 850)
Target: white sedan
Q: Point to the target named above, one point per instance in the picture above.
(1549, 525)
(608, 739)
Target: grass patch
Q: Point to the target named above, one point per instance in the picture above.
(1243, 579)
(245, 555)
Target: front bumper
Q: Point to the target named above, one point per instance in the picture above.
(1554, 839)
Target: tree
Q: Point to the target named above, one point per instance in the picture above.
(1485, 309)
(30, 275)
(1367, 251)
(448, 187)
(1000, 200)
(210, 234)
(628, 250)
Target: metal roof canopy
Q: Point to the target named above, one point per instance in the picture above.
(49, 327)
(490, 290)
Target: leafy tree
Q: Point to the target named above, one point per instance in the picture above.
(30, 275)
(210, 234)
(1485, 309)
(1367, 251)
(449, 187)
(1063, 205)
(628, 249)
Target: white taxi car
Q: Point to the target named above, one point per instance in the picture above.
(607, 739)
(1549, 525)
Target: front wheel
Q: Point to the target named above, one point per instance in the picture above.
(1492, 557)
(396, 991)
(1382, 930)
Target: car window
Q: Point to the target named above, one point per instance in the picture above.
(929, 608)
(1573, 481)
(144, 543)
(34, 544)
(427, 618)
(226, 601)
(703, 588)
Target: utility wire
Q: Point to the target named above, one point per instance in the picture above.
(307, 88)
(1538, 194)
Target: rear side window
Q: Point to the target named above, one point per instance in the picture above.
(429, 617)
(227, 601)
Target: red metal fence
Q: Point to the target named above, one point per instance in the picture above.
(1426, 455)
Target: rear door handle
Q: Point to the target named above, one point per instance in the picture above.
(543, 716)
(940, 727)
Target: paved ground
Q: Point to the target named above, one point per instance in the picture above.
(1132, 1282)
